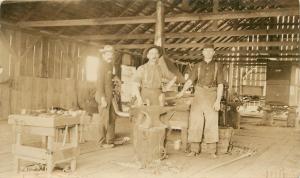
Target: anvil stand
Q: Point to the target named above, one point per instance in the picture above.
(149, 134)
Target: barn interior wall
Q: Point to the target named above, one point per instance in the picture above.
(44, 71)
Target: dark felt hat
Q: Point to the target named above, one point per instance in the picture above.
(106, 48)
(160, 50)
(208, 45)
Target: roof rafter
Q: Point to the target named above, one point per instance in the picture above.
(173, 18)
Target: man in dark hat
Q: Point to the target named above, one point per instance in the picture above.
(150, 77)
(104, 95)
(207, 77)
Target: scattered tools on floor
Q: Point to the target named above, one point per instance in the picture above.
(34, 167)
(225, 163)
(121, 141)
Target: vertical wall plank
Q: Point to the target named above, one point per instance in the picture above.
(51, 59)
(44, 57)
(45, 76)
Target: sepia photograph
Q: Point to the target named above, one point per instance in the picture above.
(149, 88)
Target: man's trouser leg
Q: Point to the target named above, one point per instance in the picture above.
(110, 135)
(104, 115)
(196, 122)
(195, 147)
(211, 131)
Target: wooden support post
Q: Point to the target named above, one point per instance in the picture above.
(230, 80)
(50, 164)
(18, 58)
(215, 10)
(239, 83)
(45, 57)
(159, 26)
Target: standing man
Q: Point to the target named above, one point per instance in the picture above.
(150, 76)
(203, 121)
(104, 96)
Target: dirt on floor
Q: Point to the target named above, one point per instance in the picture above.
(258, 152)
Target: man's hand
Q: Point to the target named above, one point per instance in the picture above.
(103, 102)
(217, 106)
(139, 101)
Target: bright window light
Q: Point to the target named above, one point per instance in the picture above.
(91, 68)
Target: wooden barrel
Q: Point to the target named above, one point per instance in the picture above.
(234, 119)
(268, 119)
(291, 119)
(225, 135)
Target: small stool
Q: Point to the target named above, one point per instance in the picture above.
(179, 120)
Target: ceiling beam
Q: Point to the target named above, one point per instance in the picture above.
(200, 45)
(28, 1)
(241, 56)
(189, 34)
(170, 18)
(48, 34)
(239, 52)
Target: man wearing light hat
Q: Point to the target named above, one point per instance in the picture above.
(104, 95)
(207, 77)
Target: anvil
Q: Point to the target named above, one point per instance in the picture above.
(149, 116)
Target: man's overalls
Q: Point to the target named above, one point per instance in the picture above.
(203, 120)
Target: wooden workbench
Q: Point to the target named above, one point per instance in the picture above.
(46, 126)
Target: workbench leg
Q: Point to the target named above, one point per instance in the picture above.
(184, 137)
(81, 132)
(16, 164)
(50, 165)
(18, 139)
(73, 165)
(74, 140)
(74, 136)
(44, 141)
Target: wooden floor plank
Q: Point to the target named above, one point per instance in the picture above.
(277, 153)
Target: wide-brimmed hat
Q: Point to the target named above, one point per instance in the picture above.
(208, 45)
(106, 48)
(159, 49)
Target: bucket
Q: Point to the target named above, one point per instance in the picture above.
(177, 144)
(225, 135)
(268, 119)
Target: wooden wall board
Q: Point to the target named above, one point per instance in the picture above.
(4, 101)
(26, 94)
(44, 71)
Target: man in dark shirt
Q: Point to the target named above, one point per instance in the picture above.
(207, 77)
(104, 97)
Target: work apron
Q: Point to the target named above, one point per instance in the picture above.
(151, 94)
(203, 120)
